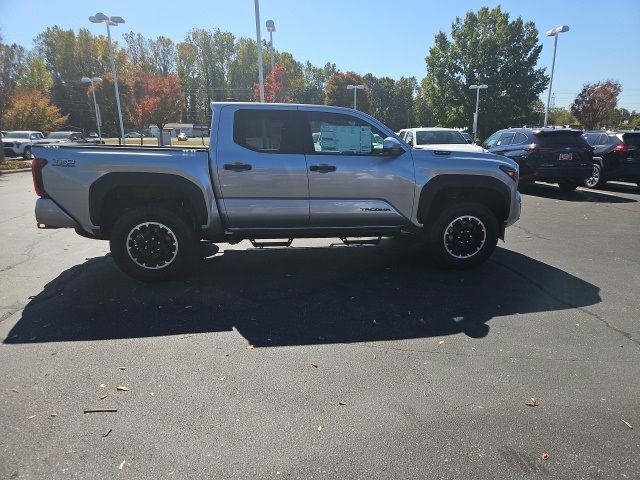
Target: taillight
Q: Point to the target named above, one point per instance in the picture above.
(37, 165)
(620, 149)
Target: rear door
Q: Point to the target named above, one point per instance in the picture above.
(261, 168)
(352, 182)
(501, 146)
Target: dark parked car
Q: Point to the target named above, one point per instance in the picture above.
(552, 155)
(616, 156)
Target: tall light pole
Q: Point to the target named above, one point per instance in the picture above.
(112, 22)
(355, 89)
(93, 81)
(271, 27)
(477, 88)
(259, 40)
(554, 32)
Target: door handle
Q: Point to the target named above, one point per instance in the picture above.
(442, 152)
(237, 167)
(323, 168)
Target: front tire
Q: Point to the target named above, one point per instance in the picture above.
(463, 236)
(152, 243)
(27, 154)
(595, 180)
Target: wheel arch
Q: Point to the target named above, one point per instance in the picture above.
(118, 190)
(444, 188)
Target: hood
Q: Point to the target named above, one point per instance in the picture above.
(452, 147)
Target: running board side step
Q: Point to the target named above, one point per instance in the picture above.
(361, 241)
(260, 244)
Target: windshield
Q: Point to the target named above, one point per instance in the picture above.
(17, 135)
(438, 137)
(54, 135)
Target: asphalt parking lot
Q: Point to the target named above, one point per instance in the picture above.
(327, 362)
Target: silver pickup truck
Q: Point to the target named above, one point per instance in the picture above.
(276, 171)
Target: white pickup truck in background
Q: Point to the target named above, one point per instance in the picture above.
(20, 143)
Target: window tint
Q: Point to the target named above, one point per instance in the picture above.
(561, 140)
(505, 139)
(402, 134)
(519, 138)
(268, 131)
(604, 139)
(592, 138)
(435, 137)
(491, 141)
(337, 133)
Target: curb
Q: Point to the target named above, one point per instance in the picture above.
(18, 170)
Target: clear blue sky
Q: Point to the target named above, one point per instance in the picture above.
(382, 37)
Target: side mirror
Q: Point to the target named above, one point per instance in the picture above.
(392, 147)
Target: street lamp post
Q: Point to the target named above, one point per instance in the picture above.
(271, 27)
(554, 32)
(92, 81)
(259, 40)
(112, 22)
(355, 89)
(477, 88)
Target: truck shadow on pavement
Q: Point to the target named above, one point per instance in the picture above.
(300, 296)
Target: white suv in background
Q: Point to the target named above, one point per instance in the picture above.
(18, 143)
(435, 138)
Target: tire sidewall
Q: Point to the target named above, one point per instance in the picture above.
(29, 155)
(436, 237)
(129, 220)
(599, 182)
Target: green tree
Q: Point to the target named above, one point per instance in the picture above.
(485, 47)
(12, 68)
(35, 76)
(337, 93)
(595, 105)
(561, 116)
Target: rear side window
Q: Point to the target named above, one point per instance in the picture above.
(505, 139)
(519, 138)
(592, 138)
(269, 131)
(561, 140)
(409, 138)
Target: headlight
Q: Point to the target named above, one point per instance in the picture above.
(512, 172)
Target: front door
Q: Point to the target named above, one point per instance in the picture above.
(262, 170)
(352, 182)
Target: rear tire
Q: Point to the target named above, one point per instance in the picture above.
(27, 154)
(152, 243)
(464, 235)
(595, 180)
(568, 185)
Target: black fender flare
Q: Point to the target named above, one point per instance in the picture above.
(99, 190)
(444, 182)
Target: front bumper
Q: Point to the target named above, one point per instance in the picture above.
(50, 215)
(516, 209)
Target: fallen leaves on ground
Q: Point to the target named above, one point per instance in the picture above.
(544, 456)
(342, 403)
(53, 414)
(31, 417)
(122, 368)
(249, 347)
(532, 402)
(122, 388)
(107, 433)
(320, 428)
(440, 342)
(627, 424)
(121, 464)
(15, 390)
(102, 397)
(314, 365)
(100, 410)
(103, 385)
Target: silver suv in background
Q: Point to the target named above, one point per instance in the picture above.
(277, 171)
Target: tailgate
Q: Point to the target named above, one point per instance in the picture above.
(562, 148)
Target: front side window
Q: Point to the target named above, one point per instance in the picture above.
(337, 133)
(409, 138)
(439, 137)
(268, 131)
(491, 141)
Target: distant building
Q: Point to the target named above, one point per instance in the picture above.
(189, 129)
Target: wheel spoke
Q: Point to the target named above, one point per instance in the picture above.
(152, 245)
(465, 236)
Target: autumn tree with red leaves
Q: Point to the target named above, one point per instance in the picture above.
(143, 103)
(168, 91)
(272, 86)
